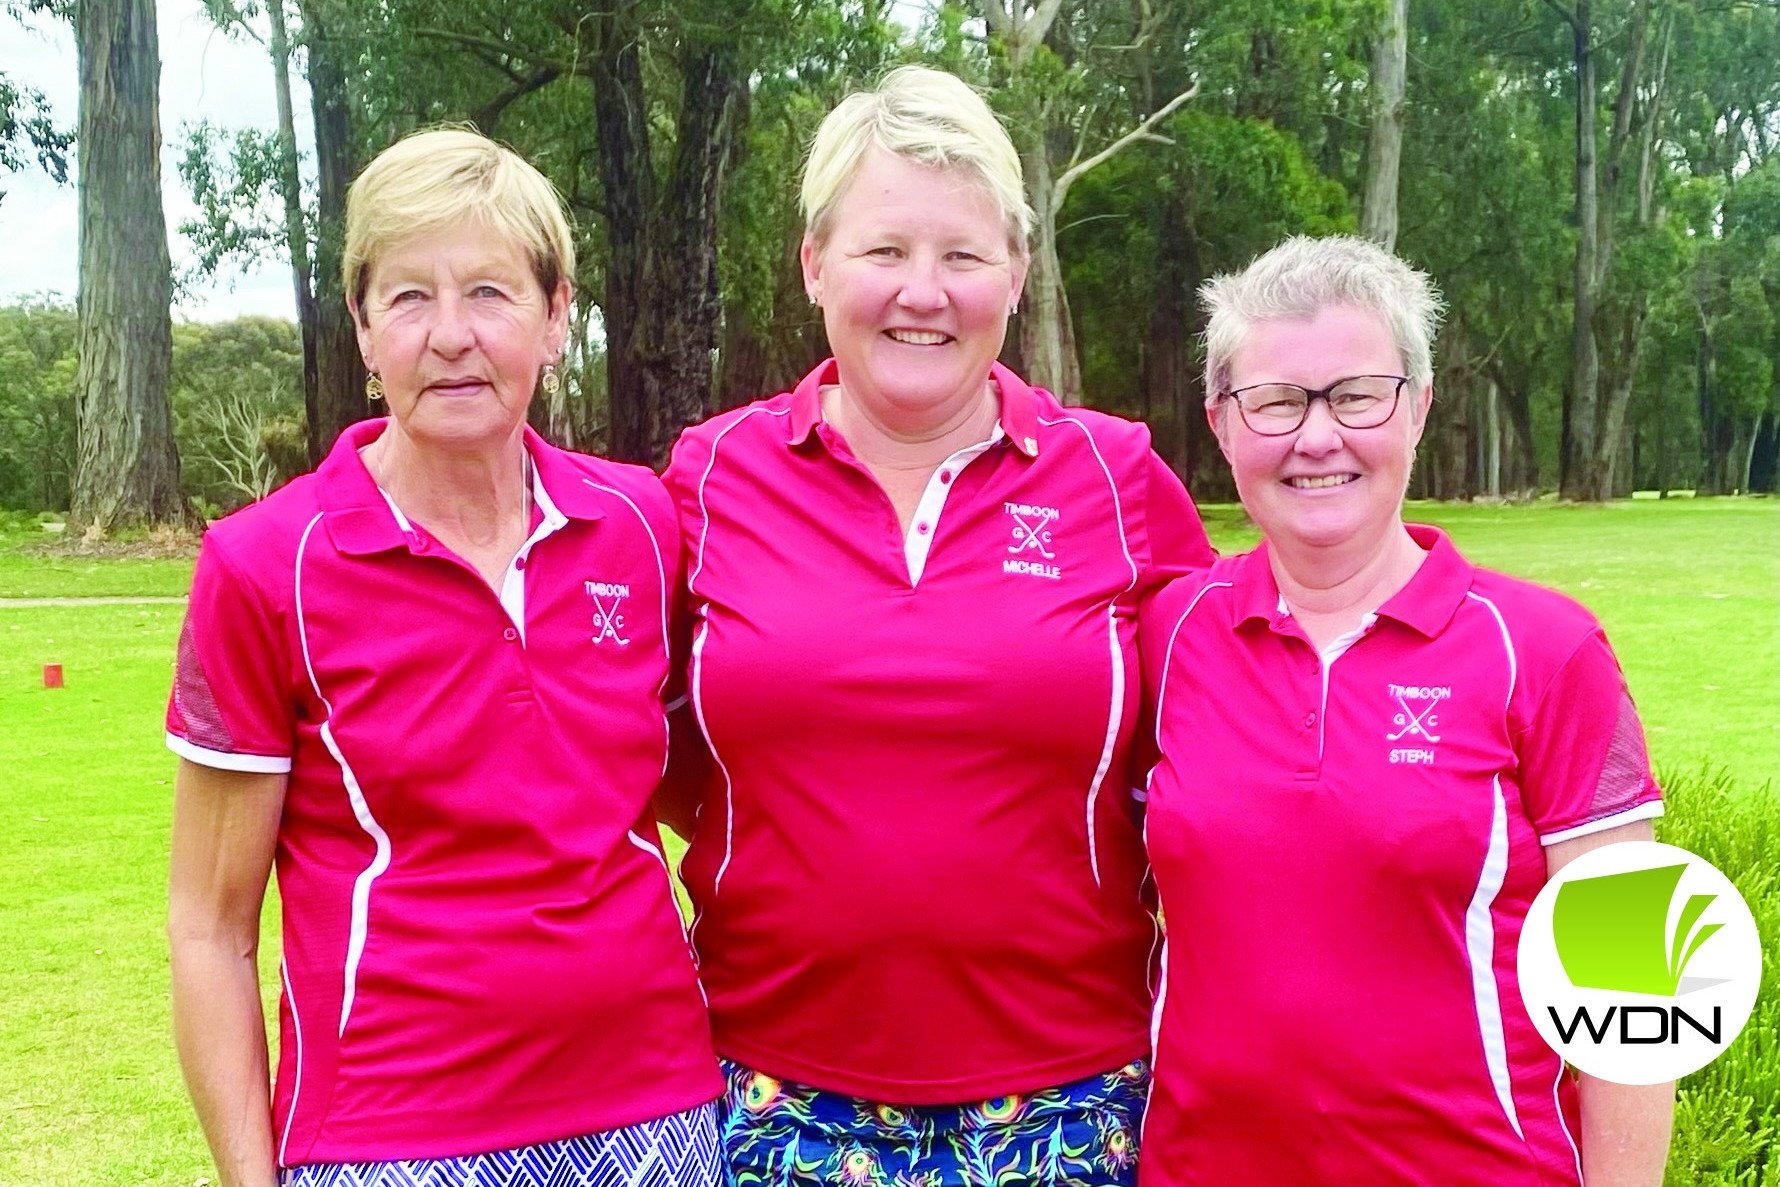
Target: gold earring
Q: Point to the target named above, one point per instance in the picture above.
(550, 383)
(373, 387)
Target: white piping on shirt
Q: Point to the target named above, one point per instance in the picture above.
(1149, 780)
(1480, 946)
(1116, 709)
(297, 1083)
(696, 683)
(361, 886)
(661, 585)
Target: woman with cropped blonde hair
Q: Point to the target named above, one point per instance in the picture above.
(424, 684)
(914, 581)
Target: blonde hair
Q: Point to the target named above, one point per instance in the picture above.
(435, 179)
(924, 115)
(1302, 277)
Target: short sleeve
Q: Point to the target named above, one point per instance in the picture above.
(1584, 766)
(231, 705)
(1176, 538)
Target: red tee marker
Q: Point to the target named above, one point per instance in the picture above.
(52, 675)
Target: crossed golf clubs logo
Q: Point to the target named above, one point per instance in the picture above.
(1415, 723)
(1027, 537)
(607, 620)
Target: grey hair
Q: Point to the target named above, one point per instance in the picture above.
(1303, 276)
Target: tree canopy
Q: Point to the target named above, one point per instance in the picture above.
(1592, 183)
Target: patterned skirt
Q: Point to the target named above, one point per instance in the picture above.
(674, 1151)
(778, 1134)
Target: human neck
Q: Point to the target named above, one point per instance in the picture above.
(1331, 590)
(476, 501)
(892, 439)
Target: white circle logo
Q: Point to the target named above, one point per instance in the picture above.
(1639, 962)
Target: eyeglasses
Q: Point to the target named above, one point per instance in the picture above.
(1357, 402)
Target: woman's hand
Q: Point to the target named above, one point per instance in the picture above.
(225, 831)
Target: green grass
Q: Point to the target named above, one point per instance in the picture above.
(26, 571)
(89, 1090)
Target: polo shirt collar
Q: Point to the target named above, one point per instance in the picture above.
(1438, 588)
(360, 519)
(1019, 405)
(1425, 605)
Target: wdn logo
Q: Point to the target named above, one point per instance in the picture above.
(1639, 962)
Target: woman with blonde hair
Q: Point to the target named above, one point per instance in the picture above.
(914, 579)
(424, 684)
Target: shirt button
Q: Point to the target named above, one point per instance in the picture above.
(519, 563)
(945, 476)
(509, 634)
(922, 528)
(1309, 720)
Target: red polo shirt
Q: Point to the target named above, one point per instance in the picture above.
(481, 948)
(916, 866)
(1346, 846)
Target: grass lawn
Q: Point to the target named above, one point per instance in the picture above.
(89, 1091)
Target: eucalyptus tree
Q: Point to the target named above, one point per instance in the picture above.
(127, 470)
(252, 201)
(28, 130)
(1067, 118)
(1384, 145)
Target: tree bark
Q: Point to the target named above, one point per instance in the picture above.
(1384, 148)
(662, 311)
(128, 470)
(1581, 409)
(340, 373)
(1044, 317)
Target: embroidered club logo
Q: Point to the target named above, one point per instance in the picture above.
(1031, 552)
(608, 619)
(1639, 962)
(1415, 721)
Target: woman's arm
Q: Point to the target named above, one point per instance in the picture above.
(1625, 1127)
(225, 830)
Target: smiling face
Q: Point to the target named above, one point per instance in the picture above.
(915, 279)
(457, 326)
(1324, 485)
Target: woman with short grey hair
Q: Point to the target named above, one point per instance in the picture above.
(1373, 755)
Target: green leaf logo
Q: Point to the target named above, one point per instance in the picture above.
(1612, 932)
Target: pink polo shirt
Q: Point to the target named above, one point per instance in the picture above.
(1346, 846)
(916, 866)
(481, 947)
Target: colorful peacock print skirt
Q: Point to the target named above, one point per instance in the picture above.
(1084, 1134)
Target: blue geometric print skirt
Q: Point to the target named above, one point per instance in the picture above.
(778, 1134)
(676, 1151)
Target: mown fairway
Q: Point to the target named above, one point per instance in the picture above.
(89, 1091)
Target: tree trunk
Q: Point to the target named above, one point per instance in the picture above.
(296, 234)
(340, 373)
(128, 469)
(662, 311)
(1581, 417)
(1169, 361)
(1492, 462)
(1045, 335)
(1384, 149)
